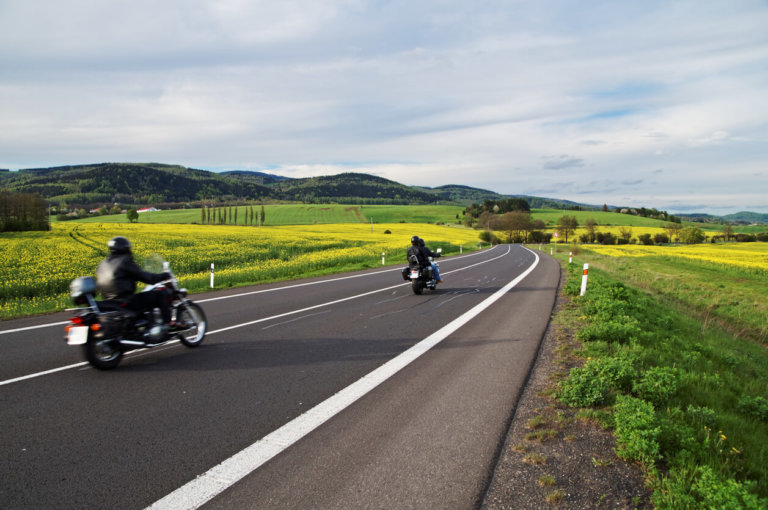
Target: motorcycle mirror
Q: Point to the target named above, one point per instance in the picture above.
(439, 250)
(166, 266)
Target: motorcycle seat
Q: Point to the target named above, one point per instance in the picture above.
(113, 305)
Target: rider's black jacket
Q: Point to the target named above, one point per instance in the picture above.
(117, 275)
(420, 256)
(428, 253)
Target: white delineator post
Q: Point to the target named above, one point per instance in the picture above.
(570, 257)
(211, 274)
(584, 279)
(383, 255)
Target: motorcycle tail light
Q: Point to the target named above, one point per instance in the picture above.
(76, 320)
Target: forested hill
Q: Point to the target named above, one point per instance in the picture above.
(352, 188)
(138, 184)
(154, 183)
(127, 183)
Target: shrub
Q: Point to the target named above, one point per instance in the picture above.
(592, 383)
(583, 388)
(489, 237)
(754, 406)
(621, 330)
(645, 239)
(701, 487)
(637, 431)
(657, 385)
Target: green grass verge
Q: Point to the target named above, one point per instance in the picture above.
(688, 399)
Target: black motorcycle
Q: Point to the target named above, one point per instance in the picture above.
(421, 277)
(107, 330)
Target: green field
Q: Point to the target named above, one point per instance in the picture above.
(322, 214)
(307, 214)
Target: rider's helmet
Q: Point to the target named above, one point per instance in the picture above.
(119, 246)
(415, 240)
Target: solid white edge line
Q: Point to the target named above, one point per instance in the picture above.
(251, 323)
(216, 480)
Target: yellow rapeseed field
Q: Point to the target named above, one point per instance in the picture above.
(37, 267)
(742, 255)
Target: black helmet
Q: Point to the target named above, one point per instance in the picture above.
(415, 240)
(119, 246)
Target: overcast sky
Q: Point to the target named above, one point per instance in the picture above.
(642, 103)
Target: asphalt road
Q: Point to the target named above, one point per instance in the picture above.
(337, 392)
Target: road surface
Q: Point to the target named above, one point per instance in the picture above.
(346, 391)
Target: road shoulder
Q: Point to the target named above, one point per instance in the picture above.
(551, 458)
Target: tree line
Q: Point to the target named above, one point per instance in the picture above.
(212, 215)
(23, 211)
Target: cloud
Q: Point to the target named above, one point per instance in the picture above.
(563, 161)
(426, 93)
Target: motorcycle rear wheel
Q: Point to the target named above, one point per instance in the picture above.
(102, 354)
(417, 286)
(192, 313)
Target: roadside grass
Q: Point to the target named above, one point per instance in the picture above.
(723, 290)
(685, 398)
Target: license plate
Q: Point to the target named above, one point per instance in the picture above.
(77, 335)
(414, 275)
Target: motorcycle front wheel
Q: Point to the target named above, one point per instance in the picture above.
(102, 354)
(192, 314)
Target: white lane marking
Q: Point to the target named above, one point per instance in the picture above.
(39, 374)
(264, 319)
(243, 294)
(28, 328)
(219, 478)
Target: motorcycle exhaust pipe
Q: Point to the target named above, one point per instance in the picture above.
(132, 343)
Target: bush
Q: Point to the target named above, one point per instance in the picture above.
(592, 383)
(489, 237)
(754, 406)
(701, 487)
(583, 388)
(621, 330)
(606, 238)
(657, 385)
(645, 239)
(636, 430)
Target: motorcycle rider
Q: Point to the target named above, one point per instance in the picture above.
(422, 253)
(429, 253)
(117, 275)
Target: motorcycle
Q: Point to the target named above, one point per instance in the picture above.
(421, 277)
(106, 329)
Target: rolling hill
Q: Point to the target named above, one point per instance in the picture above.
(154, 183)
